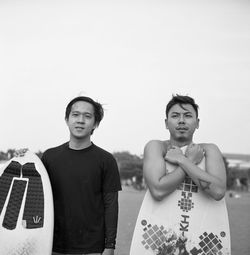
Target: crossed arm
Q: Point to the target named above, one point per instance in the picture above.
(160, 183)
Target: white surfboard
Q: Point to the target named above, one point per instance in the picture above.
(187, 221)
(26, 207)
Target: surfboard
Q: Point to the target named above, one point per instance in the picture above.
(186, 222)
(26, 207)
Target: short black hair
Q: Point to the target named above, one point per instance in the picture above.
(179, 99)
(98, 109)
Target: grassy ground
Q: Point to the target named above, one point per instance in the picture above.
(238, 210)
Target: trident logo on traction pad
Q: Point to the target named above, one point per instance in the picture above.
(33, 215)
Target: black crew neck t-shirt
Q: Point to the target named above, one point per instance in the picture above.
(79, 178)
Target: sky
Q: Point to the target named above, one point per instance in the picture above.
(131, 56)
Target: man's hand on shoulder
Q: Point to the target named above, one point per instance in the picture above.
(174, 155)
(195, 153)
(108, 252)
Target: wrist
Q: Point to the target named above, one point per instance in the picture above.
(110, 244)
(181, 172)
(181, 160)
(195, 162)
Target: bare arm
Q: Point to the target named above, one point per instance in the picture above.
(159, 182)
(213, 180)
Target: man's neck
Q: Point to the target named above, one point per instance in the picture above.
(79, 144)
(180, 143)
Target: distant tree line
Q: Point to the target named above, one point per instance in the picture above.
(10, 153)
(130, 168)
(129, 165)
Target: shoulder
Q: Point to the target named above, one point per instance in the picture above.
(102, 152)
(155, 143)
(210, 148)
(54, 150)
(156, 147)
(107, 160)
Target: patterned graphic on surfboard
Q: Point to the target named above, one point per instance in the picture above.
(187, 222)
(26, 207)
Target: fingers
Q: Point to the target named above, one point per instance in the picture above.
(195, 153)
(170, 147)
(173, 147)
(194, 147)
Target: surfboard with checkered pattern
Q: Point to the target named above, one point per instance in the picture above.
(186, 222)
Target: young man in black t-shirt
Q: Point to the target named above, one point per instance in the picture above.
(85, 182)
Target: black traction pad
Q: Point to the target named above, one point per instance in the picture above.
(33, 215)
(14, 205)
(34, 205)
(11, 171)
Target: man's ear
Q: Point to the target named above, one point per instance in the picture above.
(198, 123)
(166, 123)
(66, 121)
(95, 126)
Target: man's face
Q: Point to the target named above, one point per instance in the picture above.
(81, 120)
(182, 122)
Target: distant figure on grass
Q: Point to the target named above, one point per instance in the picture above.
(186, 182)
(85, 183)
